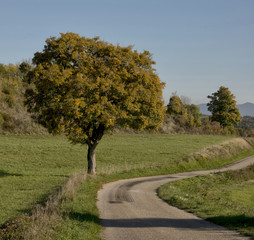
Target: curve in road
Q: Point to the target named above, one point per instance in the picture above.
(131, 210)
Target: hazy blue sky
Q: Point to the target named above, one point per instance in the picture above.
(198, 45)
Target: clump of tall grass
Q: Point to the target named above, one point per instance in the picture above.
(45, 218)
(250, 140)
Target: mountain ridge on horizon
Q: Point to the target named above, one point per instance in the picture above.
(246, 109)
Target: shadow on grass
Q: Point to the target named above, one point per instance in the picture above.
(233, 221)
(84, 217)
(6, 174)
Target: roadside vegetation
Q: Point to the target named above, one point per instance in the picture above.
(223, 198)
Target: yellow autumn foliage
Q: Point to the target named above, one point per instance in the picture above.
(84, 86)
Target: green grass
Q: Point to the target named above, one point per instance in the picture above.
(81, 217)
(32, 167)
(120, 153)
(224, 198)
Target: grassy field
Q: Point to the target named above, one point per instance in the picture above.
(224, 198)
(32, 167)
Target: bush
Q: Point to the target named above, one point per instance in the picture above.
(168, 126)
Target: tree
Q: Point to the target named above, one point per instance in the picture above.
(84, 86)
(194, 115)
(184, 114)
(175, 106)
(223, 108)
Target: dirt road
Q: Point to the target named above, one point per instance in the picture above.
(131, 210)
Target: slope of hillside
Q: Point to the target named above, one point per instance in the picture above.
(14, 117)
(246, 109)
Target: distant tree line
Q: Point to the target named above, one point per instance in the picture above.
(225, 116)
(246, 126)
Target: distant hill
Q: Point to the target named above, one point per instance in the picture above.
(203, 109)
(246, 109)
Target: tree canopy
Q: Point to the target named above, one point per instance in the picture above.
(84, 86)
(175, 105)
(223, 108)
(187, 115)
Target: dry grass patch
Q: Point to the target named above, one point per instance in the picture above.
(250, 141)
(225, 149)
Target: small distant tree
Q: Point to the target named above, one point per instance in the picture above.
(176, 110)
(175, 106)
(83, 87)
(223, 108)
(194, 115)
(187, 115)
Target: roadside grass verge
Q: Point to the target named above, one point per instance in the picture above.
(224, 198)
(44, 218)
(33, 167)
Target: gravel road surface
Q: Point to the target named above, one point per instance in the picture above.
(131, 210)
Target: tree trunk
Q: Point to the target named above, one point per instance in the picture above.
(91, 159)
(92, 143)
